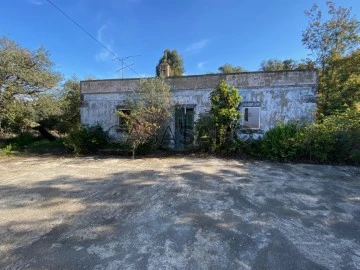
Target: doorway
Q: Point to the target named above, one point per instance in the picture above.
(184, 128)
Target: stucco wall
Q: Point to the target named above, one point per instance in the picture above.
(282, 96)
(281, 104)
(99, 108)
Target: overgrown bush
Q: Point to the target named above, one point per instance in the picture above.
(277, 144)
(334, 140)
(85, 140)
(22, 140)
(225, 101)
(147, 147)
(150, 109)
(347, 147)
(205, 132)
(7, 150)
(216, 130)
(46, 147)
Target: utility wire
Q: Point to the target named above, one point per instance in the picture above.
(87, 32)
(122, 60)
(82, 28)
(125, 67)
(134, 71)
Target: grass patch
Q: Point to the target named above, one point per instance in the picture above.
(7, 150)
(46, 147)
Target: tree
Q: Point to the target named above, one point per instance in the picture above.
(26, 77)
(70, 105)
(277, 65)
(150, 108)
(340, 85)
(288, 64)
(225, 101)
(338, 35)
(332, 42)
(306, 64)
(175, 62)
(40, 113)
(228, 69)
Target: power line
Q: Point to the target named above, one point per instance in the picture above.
(90, 35)
(122, 60)
(135, 72)
(82, 28)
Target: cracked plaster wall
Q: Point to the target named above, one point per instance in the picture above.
(282, 96)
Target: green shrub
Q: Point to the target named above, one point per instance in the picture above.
(23, 140)
(347, 146)
(314, 143)
(46, 146)
(147, 147)
(225, 101)
(205, 132)
(85, 140)
(6, 150)
(277, 144)
(216, 129)
(334, 140)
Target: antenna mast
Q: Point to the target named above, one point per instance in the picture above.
(122, 60)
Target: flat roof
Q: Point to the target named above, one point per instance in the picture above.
(255, 79)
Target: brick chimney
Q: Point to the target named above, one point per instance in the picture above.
(164, 69)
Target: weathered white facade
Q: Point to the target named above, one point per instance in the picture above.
(267, 97)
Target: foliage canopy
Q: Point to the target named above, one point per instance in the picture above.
(334, 43)
(150, 109)
(287, 64)
(175, 62)
(26, 80)
(228, 69)
(219, 125)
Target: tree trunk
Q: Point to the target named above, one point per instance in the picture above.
(46, 134)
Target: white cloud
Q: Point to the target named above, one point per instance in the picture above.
(104, 54)
(197, 46)
(36, 2)
(100, 33)
(201, 65)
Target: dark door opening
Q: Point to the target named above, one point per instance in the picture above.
(184, 128)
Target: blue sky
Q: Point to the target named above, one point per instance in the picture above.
(207, 33)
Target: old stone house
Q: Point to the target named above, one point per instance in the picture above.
(267, 98)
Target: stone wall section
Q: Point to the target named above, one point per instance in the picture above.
(281, 96)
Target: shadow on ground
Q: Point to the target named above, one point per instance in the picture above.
(177, 213)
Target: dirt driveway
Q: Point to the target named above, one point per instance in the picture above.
(177, 213)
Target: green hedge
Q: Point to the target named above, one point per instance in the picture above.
(85, 140)
(335, 140)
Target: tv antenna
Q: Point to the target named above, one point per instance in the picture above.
(122, 60)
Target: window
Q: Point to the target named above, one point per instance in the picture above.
(121, 121)
(83, 103)
(251, 118)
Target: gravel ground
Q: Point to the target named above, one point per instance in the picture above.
(177, 213)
